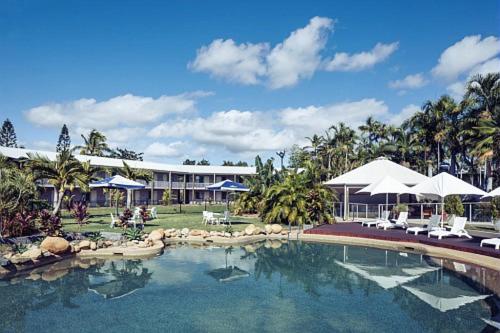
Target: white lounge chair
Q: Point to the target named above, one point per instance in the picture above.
(113, 221)
(373, 223)
(457, 229)
(208, 217)
(225, 219)
(491, 241)
(154, 213)
(433, 224)
(400, 222)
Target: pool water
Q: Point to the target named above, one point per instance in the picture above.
(263, 287)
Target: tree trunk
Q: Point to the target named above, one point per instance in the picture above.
(60, 195)
(453, 164)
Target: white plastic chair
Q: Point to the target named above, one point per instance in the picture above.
(458, 229)
(400, 222)
(113, 221)
(154, 213)
(384, 218)
(433, 224)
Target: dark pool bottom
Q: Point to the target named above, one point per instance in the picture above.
(264, 287)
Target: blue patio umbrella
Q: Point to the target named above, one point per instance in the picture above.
(228, 186)
(118, 182)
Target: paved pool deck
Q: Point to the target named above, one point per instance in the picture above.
(355, 230)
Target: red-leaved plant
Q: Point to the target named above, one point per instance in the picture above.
(50, 224)
(19, 224)
(144, 214)
(79, 212)
(125, 217)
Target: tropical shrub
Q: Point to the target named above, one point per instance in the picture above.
(133, 234)
(165, 198)
(285, 202)
(453, 205)
(317, 205)
(94, 236)
(50, 225)
(19, 224)
(400, 208)
(495, 208)
(125, 217)
(144, 214)
(80, 213)
(246, 203)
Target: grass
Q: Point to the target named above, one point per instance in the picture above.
(168, 217)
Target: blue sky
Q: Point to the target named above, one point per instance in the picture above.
(227, 79)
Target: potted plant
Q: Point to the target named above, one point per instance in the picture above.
(495, 212)
(453, 205)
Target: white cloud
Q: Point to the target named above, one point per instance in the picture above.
(299, 55)
(359, 61)
(284, 65)
(406, 112)
(243, 63)
(466, 54)
(316, 119)
(125, 110)
(456, 90)
(245, 132)
(413, 81)
(173, 149)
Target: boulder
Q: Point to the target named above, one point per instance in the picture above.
(275, 244)
(184, 232)
(276, 228)
(55, 245)
(195, 232)
(227, 234)
(157, 234)
(93, 246)
(84, 244)
(257, 231)
(250, 230)
(18, 259)
(237, 234)
(268, 229)
(34, 253)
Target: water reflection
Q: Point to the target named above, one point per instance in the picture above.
(329, 287)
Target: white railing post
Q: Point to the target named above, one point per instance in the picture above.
(421, 212)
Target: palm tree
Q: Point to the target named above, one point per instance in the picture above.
(63, 173)
(483, 92)
(285, 202)
(93, 145)
(134, 174)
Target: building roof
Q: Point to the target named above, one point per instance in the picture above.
(376, 170)
(154, 166)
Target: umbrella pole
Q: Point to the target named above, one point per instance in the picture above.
(116, 201)
(442, 212)
(387, 201)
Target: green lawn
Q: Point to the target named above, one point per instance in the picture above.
(168, 217)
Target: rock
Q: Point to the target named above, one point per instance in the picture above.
(55, 245)
(275, 244)
(257, 231)
(4, 262)
(33, 253)
(213, 233)
(250, 230)
(276, 228)
(18, 259)
(195, 232)
(227, 234)
(7, 255)
(108, 243)
(184, 232)
(237, 234)
(100, 243)
(84, 244)
(284, 232)
(268, 228)
(130, 243)
(249, 248)
(168, 234)
(157, 234)
(178, 233)
(93, 246)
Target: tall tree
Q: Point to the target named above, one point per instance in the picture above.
(63, 173)
(187, 161)
(126, 154)
(8, 136)
(64, 141)
(203, 162)
(94, 144)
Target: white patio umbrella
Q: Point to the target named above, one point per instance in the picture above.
(444, 184)
(494, 193)
(118, 182)
(385, 186)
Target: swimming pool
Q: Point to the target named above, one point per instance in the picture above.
(264, 287)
